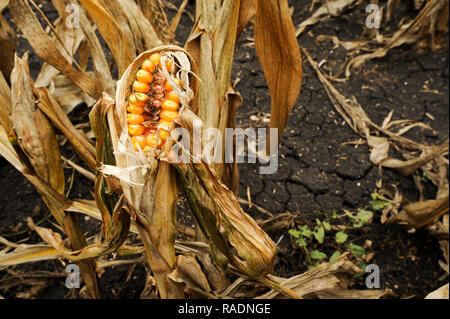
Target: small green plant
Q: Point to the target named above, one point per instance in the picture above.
(308, 237)
(425, 178)
(378, 202)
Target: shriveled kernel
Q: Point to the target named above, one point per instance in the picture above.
(141, 87)
(168, 115)
(134, 109)
(169, 87)
(144, 76)
(169, 105)
(173, 97)
(135, 119)
(155, 58)
(148, 66)
(157, 102)
(135, 130)
(138, 140)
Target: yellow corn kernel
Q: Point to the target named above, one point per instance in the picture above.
(134, 101)
(135, 119)
(173, 97)
(141, 87)
(163, 134)
(169, 87)
(135, 130)
(168, 115)
(169, 105)
(155, 58)
(141, 97)
(134, 109)
(138, 140)
(144, 76)
(148, 66)
(150, 141)
(163, 124)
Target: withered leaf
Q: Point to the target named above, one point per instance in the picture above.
(279, 54)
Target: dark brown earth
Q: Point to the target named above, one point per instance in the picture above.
(317, 173)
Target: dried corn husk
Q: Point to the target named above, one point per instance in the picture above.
(234, 236)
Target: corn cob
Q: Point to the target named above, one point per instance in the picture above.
(152, 104)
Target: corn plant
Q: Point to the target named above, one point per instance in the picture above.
(159, 86)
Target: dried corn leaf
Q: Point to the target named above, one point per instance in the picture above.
(407, 33)
(51, 108)
(247, 11)
(347, 45)
(66, 40)
(5, 109)
(234, 236)
(142, 31)
(176, 19)
(356, 117)
(326, 281)
(27, 254)
(153, 10)
(200, 46)
(35, 134)
(7, 46)
(3, 4)
(279, 55)
(440, 293)
(421, 213)
(67, 94)
(100, 64)
(43, 45)
(408, 167)
(111, 32)
(331, 8)
(189, 273)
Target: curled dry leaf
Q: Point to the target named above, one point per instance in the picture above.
(407, 33)
(331, 8)
(234, 236)
(326, 281)
(279, 55)
(419, 214)
(67, 94)
(34, 132)
(189, 273)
